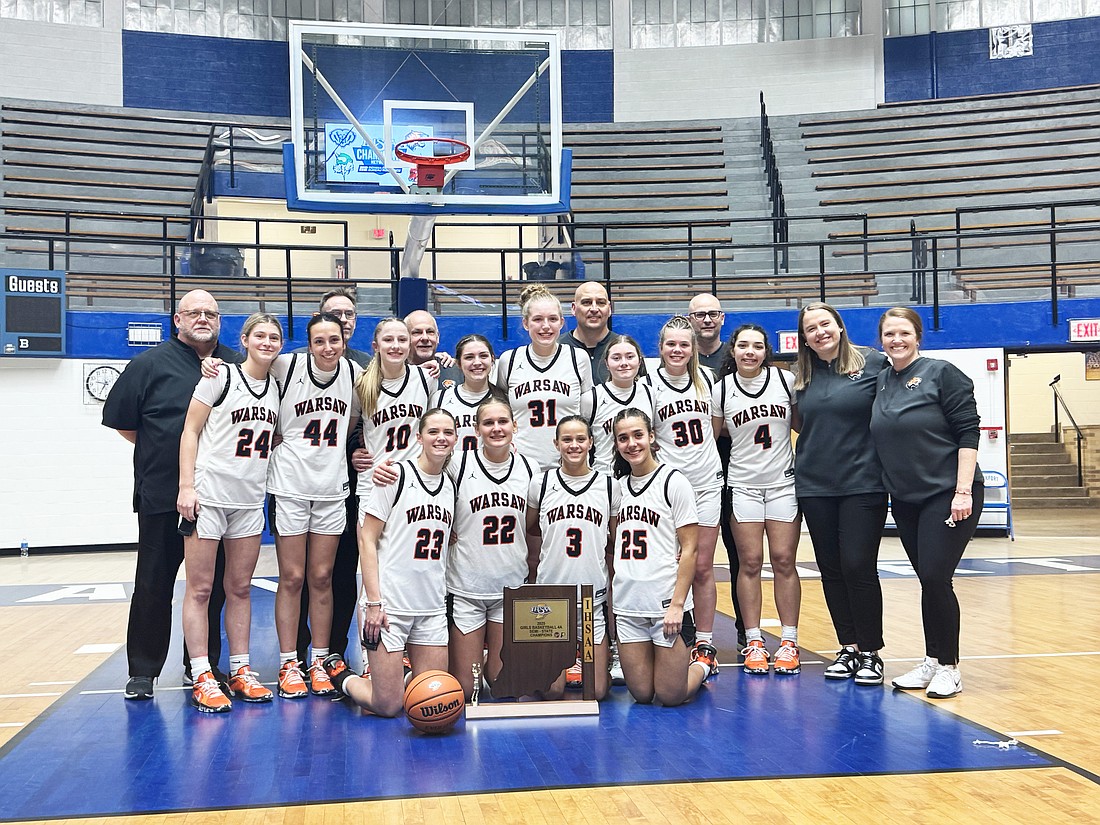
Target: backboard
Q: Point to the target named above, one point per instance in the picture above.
(358, 89)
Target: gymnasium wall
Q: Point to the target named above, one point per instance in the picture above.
(78, 64)
(721, 81)
(951, 64)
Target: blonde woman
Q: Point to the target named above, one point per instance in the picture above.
(685, 436)
(544, 380)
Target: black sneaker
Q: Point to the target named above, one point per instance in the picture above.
(845, 665)
(139, 687)
(337, 670)
(870, 669)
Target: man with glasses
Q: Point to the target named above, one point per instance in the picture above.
(706, 317)
(148, 405)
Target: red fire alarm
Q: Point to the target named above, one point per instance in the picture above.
(991, 364)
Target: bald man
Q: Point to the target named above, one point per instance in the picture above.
(592, 309)
(424, 347)
(148, 405)
(707, 318)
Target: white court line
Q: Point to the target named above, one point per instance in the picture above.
(1018, 733)
(25, 695)
(47, 684)
(12, 724)
(109, 647)
(265, 584)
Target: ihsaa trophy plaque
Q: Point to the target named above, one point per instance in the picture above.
(540, 641)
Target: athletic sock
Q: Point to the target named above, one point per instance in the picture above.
(789, 633)
(753, 634)
(199, 666)
(320, 654)
(704, 636)
(237, 662)
(288, 656)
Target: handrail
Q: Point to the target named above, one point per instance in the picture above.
(1051, 206)
(919, 262)
(780, 226)
(1059, 400)
(202, 194)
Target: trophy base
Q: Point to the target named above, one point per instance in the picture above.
(529, 710)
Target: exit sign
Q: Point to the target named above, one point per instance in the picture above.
(788, 343)
(1084, 329)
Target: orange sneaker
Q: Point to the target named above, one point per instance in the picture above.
(292, 685)
(786, 658)
(319, 682)
(245, 685)
(706, 654)
(574, 678)
(756, 657)
(207, 696)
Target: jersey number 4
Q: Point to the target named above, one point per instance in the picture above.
(763, 437)
(498, 530)
(635, 545)
(313, 434)
(429, 544)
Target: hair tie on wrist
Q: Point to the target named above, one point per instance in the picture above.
(963, 493)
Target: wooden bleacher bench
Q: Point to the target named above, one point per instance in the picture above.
(260, 291)
(792, 289)
(1069, 276)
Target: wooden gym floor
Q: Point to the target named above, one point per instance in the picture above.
(786, 749)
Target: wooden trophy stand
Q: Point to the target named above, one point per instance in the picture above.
(540, 641)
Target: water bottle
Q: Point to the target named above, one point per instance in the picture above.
(24, 549)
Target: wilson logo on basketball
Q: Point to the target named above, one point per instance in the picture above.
(541, 610)
(440, 708)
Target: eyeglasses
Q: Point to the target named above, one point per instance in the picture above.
(702, 315)
(193, 314)
(342, 313)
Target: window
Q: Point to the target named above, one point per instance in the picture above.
(666, 23)
(72, 12)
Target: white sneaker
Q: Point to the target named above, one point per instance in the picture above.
(615, 668)
(946, 683)
(919, 677)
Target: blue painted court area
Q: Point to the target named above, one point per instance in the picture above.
(94, 753)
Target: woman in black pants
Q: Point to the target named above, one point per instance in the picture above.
(838, 480)
(925, 426)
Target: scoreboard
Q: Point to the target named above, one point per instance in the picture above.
(32, 312)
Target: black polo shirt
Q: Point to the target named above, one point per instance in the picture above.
(596, 353)
(151, 397)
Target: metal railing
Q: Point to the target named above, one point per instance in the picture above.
(1059, 401)
(780, 227)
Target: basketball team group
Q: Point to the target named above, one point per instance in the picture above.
(440, 481)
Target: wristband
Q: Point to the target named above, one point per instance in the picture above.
(381, 604)
(963, 493)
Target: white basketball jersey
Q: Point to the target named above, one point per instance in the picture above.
(647, 551)
(389, 433)
(235, 443)
(418, 512)
(314, 414)
(541, 393)
(490, 552)
(575, 515)
(757, 413)
(463, 406)
(600, 406)
(684, 429)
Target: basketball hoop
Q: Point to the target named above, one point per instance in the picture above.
(430, 172)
